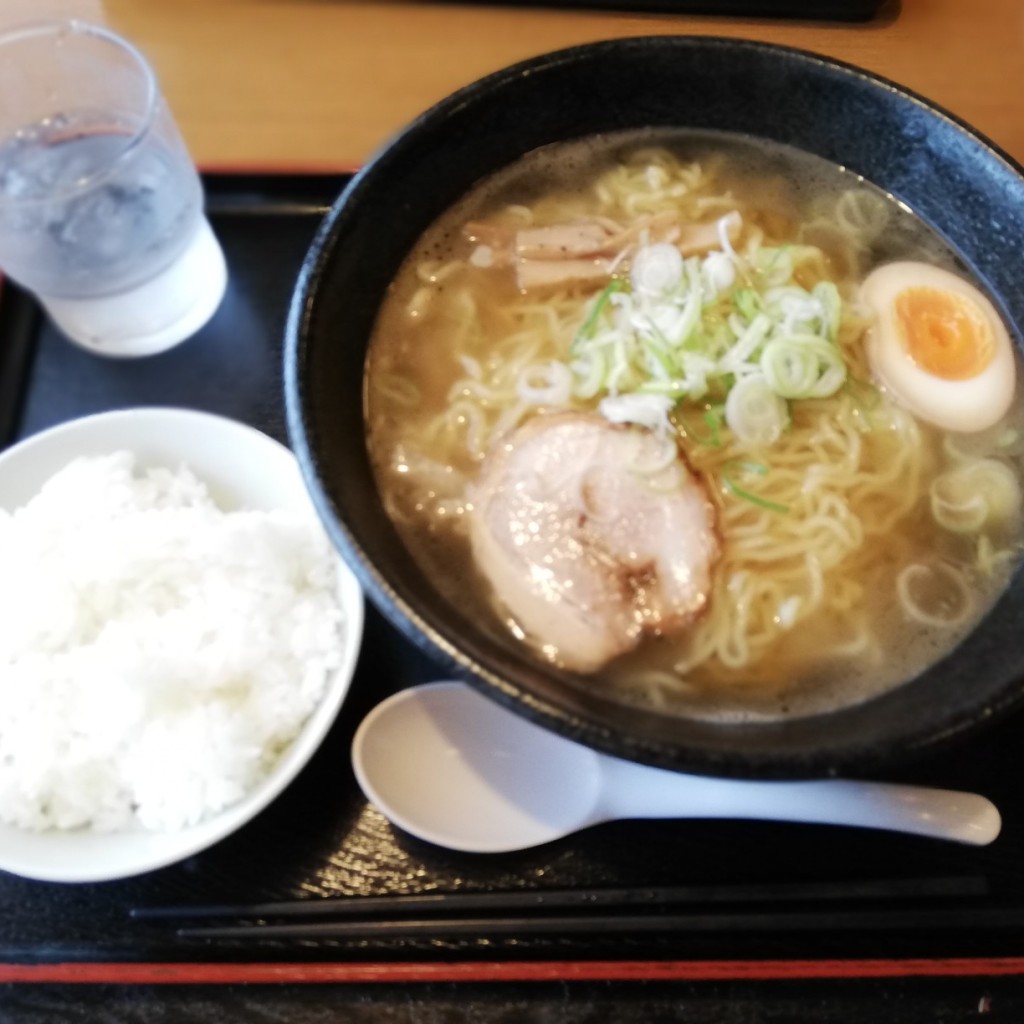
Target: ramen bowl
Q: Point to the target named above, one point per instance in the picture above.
(958, 183)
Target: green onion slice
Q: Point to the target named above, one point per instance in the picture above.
(771, 506)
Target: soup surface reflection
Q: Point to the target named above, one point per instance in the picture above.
(718, 426)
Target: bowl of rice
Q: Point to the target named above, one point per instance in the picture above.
(177, 636)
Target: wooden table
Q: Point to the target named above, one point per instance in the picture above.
(319, 84)
(322, 83)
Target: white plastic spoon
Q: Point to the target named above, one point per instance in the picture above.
(453, 767)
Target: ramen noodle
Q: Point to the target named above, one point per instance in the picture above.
(804, 350)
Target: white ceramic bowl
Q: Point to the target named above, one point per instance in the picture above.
(243, 468)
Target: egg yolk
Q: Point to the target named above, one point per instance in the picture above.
(944, 333)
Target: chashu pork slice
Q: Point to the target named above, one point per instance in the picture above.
(592, 535)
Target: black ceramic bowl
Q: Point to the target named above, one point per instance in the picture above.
(960, 183)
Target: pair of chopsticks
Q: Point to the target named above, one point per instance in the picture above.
(527, 913)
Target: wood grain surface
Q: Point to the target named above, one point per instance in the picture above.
(323, 83)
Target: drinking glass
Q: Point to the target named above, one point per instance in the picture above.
(101, 208)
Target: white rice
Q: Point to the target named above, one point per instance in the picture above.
(156, 653)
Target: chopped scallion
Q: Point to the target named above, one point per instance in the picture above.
(587, 330)
(758, 468)
(713, 418)
(771, 506)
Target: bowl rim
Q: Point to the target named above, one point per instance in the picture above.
(500, 77)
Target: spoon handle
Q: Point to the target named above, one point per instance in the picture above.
(640, 792)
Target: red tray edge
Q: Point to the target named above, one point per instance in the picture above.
(171, 973)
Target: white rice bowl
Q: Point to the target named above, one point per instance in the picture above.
(239, 710)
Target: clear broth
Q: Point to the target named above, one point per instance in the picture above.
(412, 365)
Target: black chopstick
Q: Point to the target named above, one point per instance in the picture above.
(526, 927)
(578, 899)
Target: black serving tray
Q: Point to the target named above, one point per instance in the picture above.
(321, 839)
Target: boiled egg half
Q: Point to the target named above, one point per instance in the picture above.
(939, 346)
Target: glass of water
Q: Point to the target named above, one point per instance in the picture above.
(101, 208)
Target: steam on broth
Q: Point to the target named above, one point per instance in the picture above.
(800, 356)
